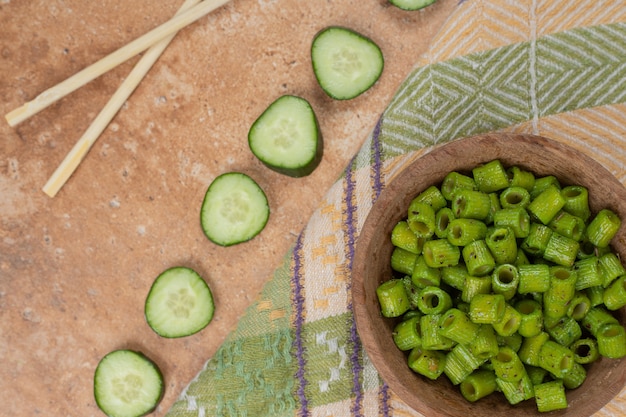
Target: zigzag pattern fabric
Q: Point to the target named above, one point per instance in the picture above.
(525, 66)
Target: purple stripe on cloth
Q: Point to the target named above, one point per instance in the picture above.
(377, 163)
(350, 233)
(378, 185)
(385, 409)
(298, 301)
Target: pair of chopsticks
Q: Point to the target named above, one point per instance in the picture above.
(155, 42)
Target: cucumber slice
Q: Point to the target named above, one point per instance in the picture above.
(286, 137)
(180, 303)
(411, 4)
(127, 384)
(234, 210)
(345, 63)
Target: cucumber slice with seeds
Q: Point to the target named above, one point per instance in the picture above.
(411, 4)
(345, 63)
(234, 210)
(180, 303)
(127, 384)
(286, 137)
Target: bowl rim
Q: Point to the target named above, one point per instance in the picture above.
(482, 147)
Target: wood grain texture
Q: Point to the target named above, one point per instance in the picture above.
(543, 157)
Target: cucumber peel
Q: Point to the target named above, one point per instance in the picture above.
(286, 137)
(127, 384)
(234, 210)
(345, 63)
(180, 303)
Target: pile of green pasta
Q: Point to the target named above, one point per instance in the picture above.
(505, 281)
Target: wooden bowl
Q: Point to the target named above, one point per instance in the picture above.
(605, 378)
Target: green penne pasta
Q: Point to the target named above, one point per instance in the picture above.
(424, 275)
(514, 197)
(588, 272)
(403, 261)
(610, 268)
(517, 218)
(393, 298)
(478, 258)
(502, 244)
(568, 225)
(561, 250)
(504, 280)
(431, 338)
(519, 177)
(614, 296)
(455, 181)
(460, 363)
(433, 300)
(406, 334)
(531, 348)
(421, 219)
(433, 197)
(531, 317)
(603, 227)
(477, 385)
(575, 377)
(485, 344)
(576, 201)
(536, 374)
(565, 332)
(537, 240)
(475, 285)
(578, 306)
(555, 358)
(487, 308)
(516, 392)
(612, 340)
(507, 365)
(412, 292)
(462, 232)
(494, 200)
(509, 322)
(596, 318)
(454, 276)
(490, 177)
(403, 237)
(440, 253)
(470, 204)
(429, 363)
(585, 351)
(560, 292)
(550, 396)
(443, 217)
(533, 278)
(456, 325)
(542, 183)
(546, 205)
(595, 295)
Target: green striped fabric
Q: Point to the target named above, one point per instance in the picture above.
(296, 351)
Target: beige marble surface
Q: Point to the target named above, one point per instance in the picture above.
(75, 270)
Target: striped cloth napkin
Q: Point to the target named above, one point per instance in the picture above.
(556, 68)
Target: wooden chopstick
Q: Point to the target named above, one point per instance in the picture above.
(82, 146)
(126, 52)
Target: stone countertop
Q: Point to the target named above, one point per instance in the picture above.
(75, 269)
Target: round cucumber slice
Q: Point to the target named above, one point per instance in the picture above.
(411, 5)
(286, 137)
(127, 384)
(180, 303)
(345, 63)
(234, 210)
